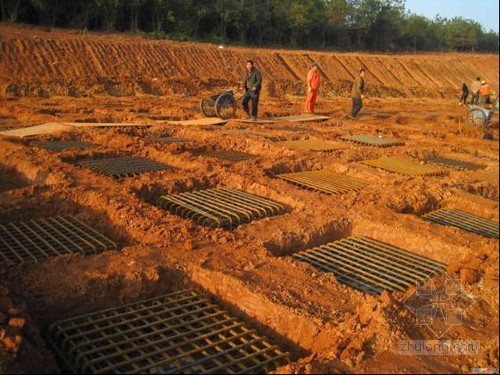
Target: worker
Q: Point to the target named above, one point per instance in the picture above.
(358, 87)
(484, 94)
(474, 88)
(312, 88)
(464, 94)
(252, 83)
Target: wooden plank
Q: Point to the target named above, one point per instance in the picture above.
(31, 131)
(199, 121)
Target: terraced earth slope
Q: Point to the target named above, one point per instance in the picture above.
(37, 62)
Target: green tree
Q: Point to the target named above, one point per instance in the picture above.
(462, 34)
(10, 10)
(108, 12)
(488, 42)
(337, 13)
(227, 13)
(416, 31)
(378, 25)
(304, 17)
(133, 8)
(161, 13)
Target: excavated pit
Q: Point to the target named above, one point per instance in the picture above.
(11, 179)
(56, 205)
(287, 243)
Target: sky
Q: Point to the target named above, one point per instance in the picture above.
(483, 11)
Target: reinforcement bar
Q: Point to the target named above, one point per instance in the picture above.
(61, 145)
(465, 221)
(455, 164)
(226, 208)
(37, 240)
(371, 140)
(325, 181)
(403, 166)
(370, 265)
(123, 167)
(180, 332)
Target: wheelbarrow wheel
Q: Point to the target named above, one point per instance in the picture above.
(225, 106)
(207, 106)
(476, 117)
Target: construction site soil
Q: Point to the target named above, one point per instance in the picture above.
(49, 75)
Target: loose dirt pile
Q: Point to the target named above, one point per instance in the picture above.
(324, 324)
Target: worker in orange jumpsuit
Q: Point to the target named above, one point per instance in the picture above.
(312, 88)
(484, 94)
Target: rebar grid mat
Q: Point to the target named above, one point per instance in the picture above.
(310, 144)
(455, 164)
(228, 155)
(123, 167)
(180, 332)
(37, 240)
(371, 140)
(171, 139)
(61, 145)
(465, 221)
(403, 166)
(370, 265)
(225, 208)
(324, 181)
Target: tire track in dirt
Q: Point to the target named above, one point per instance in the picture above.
(431, 81)
(287, 67)
(345, 61)
(372, 68)
(394, 80)
(165, 68)
(409, 73)
(81, 70)
(94, 62)
(155, 54)
(432, 69)
(274, 68)
(398, 69)
(334, 68)
(477, 64)
(56, 53)
(457, 74)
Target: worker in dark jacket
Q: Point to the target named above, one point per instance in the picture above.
(464, 94)
(358, 87)
(252, 83)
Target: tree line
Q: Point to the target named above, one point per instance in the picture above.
(348, 25)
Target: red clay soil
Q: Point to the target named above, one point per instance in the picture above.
(53, 75)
